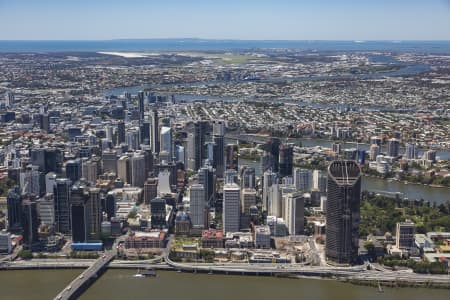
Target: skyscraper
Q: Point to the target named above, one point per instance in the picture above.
(197, 205)
(137, 162)
(73, 170)
(95, 213)
(30, 224)
(124, 169)
(231, 208)
(294, 212)
(219, 148)
(158, 213)
(231, 157)
(62, 205)
(286, 159)
(166, 141)
(14, 205)
(343, 204)
(194, 148)
(272, 147)
(410, 151)
(302, 179)
(248, 177)
(120, 133)
(80, 213)
(155, 131)
(140, 97)
(393, 147)
(207, 179)
(109, 161)
(150, 190)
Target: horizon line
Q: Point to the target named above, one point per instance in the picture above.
(228, 39)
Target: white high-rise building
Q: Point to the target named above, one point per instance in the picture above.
(50, 181)
(166, 141)
(197, 205)
(269, 178)
(294, 213)
(231, 207)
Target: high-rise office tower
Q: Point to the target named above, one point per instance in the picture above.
(46, 209)
(166, 141)
(14, 206)
(30, 224)
(50, 181)
(231, 157)
(158, 213)
(337, 147)
(79, 213)
(219, 148)
(62, 205)
(411, 151)
(138, 176)
(286, 159)
(120, 133)
(231, 207)
(109, 205)
(393, 147)
(155, 131)
(132, 139)
(141, 107)
(124, 169)
(95, 213)
(267, 162)
(343, 204)
(145, 133)
(89, 170)
(302, 179)
(197, 205)
(275, 204)
(248, 199)
(207, 179)
(273, 147)
(194, 148)
(150, 190)
(269, 178)
(73, 170)
(248, 177)
(294, 205)
(109, 161)
(30, 180)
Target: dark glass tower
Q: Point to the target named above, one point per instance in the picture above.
(286, 160)
(343, 202)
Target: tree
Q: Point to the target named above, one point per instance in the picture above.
(25, 254)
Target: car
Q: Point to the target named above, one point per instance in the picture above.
(81, 276)
(69, 287)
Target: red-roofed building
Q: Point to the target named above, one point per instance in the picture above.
(212, 238)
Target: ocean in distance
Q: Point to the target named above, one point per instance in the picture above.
(433, 47)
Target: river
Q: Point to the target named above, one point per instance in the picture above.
(120, 284)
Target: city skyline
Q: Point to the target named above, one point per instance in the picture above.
(252, 20)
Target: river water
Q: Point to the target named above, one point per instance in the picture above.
(120, 284)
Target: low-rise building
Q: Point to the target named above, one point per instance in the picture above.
(153, 239)
(212, 238)
(262, 237)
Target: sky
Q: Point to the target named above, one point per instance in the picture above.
(230, 19)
